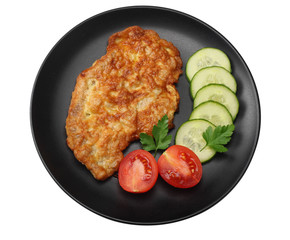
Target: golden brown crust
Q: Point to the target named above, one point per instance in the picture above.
(122, 94)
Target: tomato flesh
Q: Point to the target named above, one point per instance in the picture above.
(138, 172)
(180, 167)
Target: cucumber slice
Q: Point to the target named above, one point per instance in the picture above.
(189, 135)
(209, 75)
(212, 111)
(206, 57)
(218, 93)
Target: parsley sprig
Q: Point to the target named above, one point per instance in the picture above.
(160, 139)
(218, 137)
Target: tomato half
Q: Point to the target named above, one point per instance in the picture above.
(180, 167)
(138, 172)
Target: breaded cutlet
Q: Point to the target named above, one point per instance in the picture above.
(122, 94)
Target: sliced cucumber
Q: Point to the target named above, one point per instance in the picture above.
(206, 57)
(218, 93)
(209, 75)
(212, 111)
(189, 135)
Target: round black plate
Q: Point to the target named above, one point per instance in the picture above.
(54, 84)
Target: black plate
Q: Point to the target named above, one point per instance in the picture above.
(51, 96)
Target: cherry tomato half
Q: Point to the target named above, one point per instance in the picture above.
(180, 167)
(138, 172)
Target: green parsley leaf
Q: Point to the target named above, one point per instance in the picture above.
(160, 139)
(160, 132)
(218, 137)
(147, 142)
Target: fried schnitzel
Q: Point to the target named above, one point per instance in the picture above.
(122, 94)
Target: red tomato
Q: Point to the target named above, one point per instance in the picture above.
(138, 172)
(180, 167)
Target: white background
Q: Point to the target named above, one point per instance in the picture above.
(33, 206)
